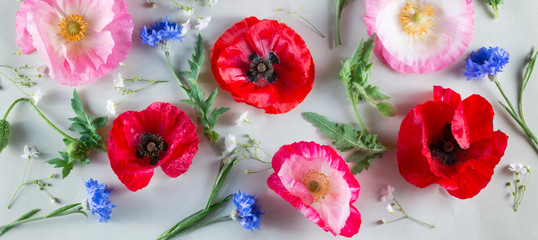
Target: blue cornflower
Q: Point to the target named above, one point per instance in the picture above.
(98, 202)
(486, 62)
(161, 33)
(247, 211)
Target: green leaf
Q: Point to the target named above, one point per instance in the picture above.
(374, 93)
(23, 217)
(5, 134)
(76, 104)
(207, 116)
(362, 162)
(61, 210)
(345, 137)
(78, 127)
(99, 122)
(65, 164)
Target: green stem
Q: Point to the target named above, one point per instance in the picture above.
(224, 170)
(42, 117)
(184, 83)
(359, 119)
(522, 192)
(337, 22)
(526, 78)
(498, 84)
(511, 110)
(214, 220)
(312, 25)
(495, 10)
(385, 222)
(408, 216)
(193, 219)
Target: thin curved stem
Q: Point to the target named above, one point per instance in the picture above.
(184, 83)
(42, 117)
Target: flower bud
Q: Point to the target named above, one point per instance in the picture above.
(386, 109)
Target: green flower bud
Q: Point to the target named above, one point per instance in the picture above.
(386, 109)
(5, 133)
(72, 149)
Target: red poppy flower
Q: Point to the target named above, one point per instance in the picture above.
(161, 135)
(450, 142)
(263, 63)
(317, 181)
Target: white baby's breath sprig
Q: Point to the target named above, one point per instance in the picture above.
(111, 107)
(203, 22)
(520, 171)
(242, 119)
(387, 196)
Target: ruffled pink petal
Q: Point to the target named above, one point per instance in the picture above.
(452, 34)
(333, 213)
(107, 41)
(353, 223)
(473, 120)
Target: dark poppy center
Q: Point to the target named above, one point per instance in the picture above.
(444, 148)
(151, 145)
(313, 186)
(261, 67)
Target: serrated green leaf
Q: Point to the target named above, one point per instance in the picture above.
(374, 93)
(76, 104)
(78, 127)
(345, 137)
(189, 102)
(362, 161)
(99, 122)
(5, 134)
(57, 162)
(85, 160)
(66, 170)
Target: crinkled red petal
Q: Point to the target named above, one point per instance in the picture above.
(447, 96)
(483, 156)
(295, 72)
(472, 121)
(162, 119)
(416, 133)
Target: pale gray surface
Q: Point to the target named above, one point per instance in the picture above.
(147, 213)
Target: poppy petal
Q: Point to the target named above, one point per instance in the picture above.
(473, 120)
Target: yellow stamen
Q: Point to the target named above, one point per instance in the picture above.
(317, 183)
(417, 18)
(73, 27)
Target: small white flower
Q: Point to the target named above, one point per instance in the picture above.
(29, 152)
(118, 82)
(230, 143)
(517, 167)
(53, 200)
(111, 107)
(242, 119)
(389, 208)
(202, 23)
(42, 70)
(386, 193)
(213, 1)
(37, 96)
(188, 12)
(186, 26)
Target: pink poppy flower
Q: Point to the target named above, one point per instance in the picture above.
(420, 36)
(80, 40)
(317, 181)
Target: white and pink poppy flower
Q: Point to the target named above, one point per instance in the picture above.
(80, 40)
(420, 36)
(317, 181)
